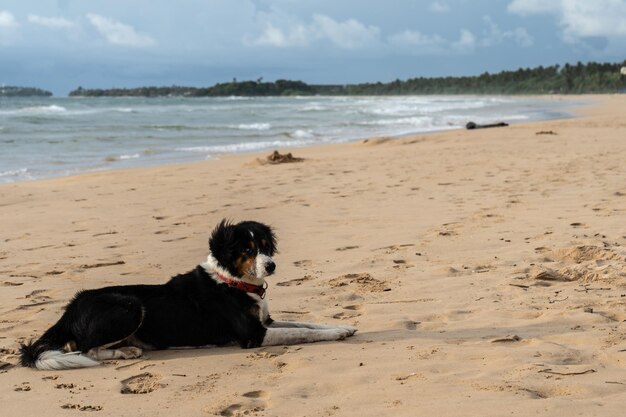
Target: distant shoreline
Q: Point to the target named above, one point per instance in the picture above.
(590, 78)
(13, 91)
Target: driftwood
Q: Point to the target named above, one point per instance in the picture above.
(508, 339)
(101, 264)
(550, 371)
(472, 125)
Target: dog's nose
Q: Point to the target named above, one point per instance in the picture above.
(270, 267)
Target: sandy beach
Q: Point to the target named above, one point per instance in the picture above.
(485, 271)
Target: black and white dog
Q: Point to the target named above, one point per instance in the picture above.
(221, 301)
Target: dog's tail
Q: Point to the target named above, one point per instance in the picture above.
(44, 355)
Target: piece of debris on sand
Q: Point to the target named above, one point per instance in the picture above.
(472, 125)
(278, 158)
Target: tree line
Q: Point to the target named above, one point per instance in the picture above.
(580, 78)
(12, 91)
(568, 79)
(234, 88)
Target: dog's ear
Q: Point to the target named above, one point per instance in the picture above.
(220, 241)
(263, 231)
(272, 243)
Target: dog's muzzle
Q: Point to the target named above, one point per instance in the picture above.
(264, 266)
(270, 267)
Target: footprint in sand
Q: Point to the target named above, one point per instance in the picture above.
(295, 281)
(23, 387)
(269, 352)
(141, 384)
(345, 315)
(112, 232)
(251, 403)
(5, 366)
(352, 311)
(394, 248)
(202, 385)
(584, 264)
(363, 281)
(405, 325)
(402, 264)
(36, 298)
(345, 248)
(174, 240)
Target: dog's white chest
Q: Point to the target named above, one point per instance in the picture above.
(264, 312)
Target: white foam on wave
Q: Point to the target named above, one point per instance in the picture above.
(314, 107)
(252, 126)
(13, 172)
(237, 98)
(124, 157)
(302, 134)
(133, 156)
(406, 109)
(13, 175)
(403, 121)
(244, 146)
(35, 110)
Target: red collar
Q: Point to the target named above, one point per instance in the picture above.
(244, 286)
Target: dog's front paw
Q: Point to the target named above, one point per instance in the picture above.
(342, 332)
(130, 352)
(349, 330)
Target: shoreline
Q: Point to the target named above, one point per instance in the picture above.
(134, 157)
(481, 267)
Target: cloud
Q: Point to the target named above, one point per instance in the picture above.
(415, 38)
(522, 37)
(51, 22)
(9, 28)
(418, 42)
(273, 36)
(579, 18)
(527, 7)
(348, 34)
(467, 41)
(494, 35)
(7, 20)
(118, 33)
(439, 7)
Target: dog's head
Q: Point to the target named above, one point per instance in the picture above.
(244, 249)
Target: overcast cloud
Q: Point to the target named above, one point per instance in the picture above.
(62, 44)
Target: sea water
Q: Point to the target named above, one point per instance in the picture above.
(48, 137)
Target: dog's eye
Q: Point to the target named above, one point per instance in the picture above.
(249, 251)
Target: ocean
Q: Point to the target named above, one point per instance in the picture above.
(50, 137)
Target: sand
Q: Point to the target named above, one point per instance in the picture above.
(485, 270)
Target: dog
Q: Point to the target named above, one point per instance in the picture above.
(220, 302)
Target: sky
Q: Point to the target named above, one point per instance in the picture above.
(59, 45)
